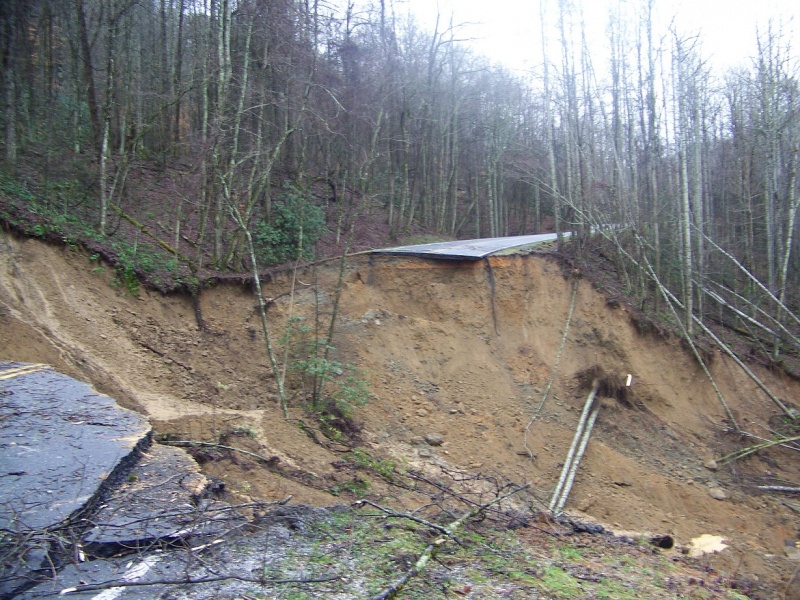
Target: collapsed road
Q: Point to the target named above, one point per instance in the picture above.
(80, 479)
(471, 249)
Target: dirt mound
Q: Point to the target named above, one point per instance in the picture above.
(457, 368)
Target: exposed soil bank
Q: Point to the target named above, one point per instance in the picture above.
(444, 355)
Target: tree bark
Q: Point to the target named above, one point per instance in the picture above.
(104, 144)
(9, 84)
(88, 71)
(681, 76)
(178, 73)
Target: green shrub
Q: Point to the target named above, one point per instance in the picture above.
(292, 230)
(362, 459)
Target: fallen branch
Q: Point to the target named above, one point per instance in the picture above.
(754, 279)
(189, 581)
(209, 512)
(741, 453)
(272, 460)
(419, 566)
(410, 517)
(143, 228)
(779, 488)
(433, 548)
(666, 294)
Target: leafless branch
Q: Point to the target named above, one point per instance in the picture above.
(432, 549)
(117, 583)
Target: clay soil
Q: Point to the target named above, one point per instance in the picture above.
(444, 354)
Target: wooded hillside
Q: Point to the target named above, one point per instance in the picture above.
(274, 119)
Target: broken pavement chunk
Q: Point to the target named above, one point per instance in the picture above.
(70, 441)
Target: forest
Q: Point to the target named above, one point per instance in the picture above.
(234, 134)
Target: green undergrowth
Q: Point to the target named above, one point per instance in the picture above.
(369, 550)
(59, 214)
(381, 467)
(31, 213)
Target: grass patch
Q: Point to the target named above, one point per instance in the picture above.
(560, 583)
(363, 460)
(570, 554)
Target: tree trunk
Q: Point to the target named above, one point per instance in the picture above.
(9, 84)
(178, 74)
(104, 144)
(548, 134)
(88, 71)
(794, 204)
(685, 200)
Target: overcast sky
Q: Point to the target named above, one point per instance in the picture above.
(508, 31)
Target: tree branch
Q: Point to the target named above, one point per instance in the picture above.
(189, 581)
(431, 550)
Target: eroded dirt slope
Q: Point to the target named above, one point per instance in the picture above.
(443, 355)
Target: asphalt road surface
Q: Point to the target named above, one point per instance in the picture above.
(469, 249)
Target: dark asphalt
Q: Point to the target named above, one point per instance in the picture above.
(59, 442)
